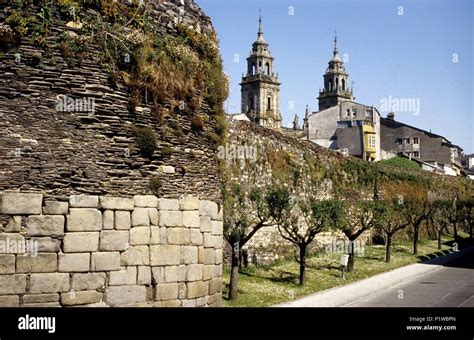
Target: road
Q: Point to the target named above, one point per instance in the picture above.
(445, 281)
(451, 285)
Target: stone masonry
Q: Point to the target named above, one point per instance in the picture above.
(109, 251)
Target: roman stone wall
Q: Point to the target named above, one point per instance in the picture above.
(103, 251)
(65, 152)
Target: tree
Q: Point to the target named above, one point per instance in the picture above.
(395, 220)
(469, 215)
(244, 215)
(302, 221)
(417, 210)
(360, 216)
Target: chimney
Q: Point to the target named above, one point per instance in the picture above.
(391, 115)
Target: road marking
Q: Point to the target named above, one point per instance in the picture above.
(462, 304)
(445, 295)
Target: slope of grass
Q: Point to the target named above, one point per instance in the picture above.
(278, 282)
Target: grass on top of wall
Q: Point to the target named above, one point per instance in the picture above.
(277, 283)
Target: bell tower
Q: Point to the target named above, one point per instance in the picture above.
(260, 88)
(336, 87)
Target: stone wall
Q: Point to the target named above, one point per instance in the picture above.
(109, 251)
(61, 153)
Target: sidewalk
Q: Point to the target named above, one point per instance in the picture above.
(340, 296)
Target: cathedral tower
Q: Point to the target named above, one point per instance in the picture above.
(336, 87)
(260, 88)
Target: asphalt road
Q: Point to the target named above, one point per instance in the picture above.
(450, 285)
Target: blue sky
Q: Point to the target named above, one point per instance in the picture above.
(422, 51)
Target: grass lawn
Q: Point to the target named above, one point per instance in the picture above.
(278, 282)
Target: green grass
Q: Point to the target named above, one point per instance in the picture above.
(261, 286)
(402, 162)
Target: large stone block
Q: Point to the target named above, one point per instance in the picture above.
(155, 236)
(80, 298)
(13, 244)
(41, 263)
(77, 262)
(189, 203)
(209, 208)
(196, 237)
(12, 284)
(191, 219)
(190, 255)
(84, 201)
(158, 275)
(197, 289)
(135, 256)
(217, 228)
(88, 281)
(206, 224)
(165, 255)
(122, 220)
(84, 219)
(111, 240)
(215, 286)
(144, 275)
(9, 301)
(14, 225)
(121, 295)
(55, 208)
(168, 204)
(108, 220)
(42, 305)
(46, 244)
(175, 273)
(7, 264)
(171, 218)
(40, 298)
(218, 256)
(194, 272)
(116, 203)
(209, 256)
(154, 216)
(49, 283)
(209, 240)
(140, 217)
(81, 242)
(13, 203)
(45, 225)
(139, 235)
(123, 277)
(105, 261)
(179, 236)
(166, 291)
(207, 272)
(145, 201)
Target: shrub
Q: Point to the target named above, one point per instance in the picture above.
(155, 185)
(197, 123)
(145, 138)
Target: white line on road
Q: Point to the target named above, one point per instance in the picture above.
(462, 304)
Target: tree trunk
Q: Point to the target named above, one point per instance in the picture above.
(350, 262)
(415, 240)
(455, 226)
(388, 250)
(470, 231)
(439, 237)
(234, 273)
(302, 263)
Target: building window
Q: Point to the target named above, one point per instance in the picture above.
(343, 85)
(348, 113)
(354, 113)
(368, 113)
(269, 103)
(253, 69)
(416, 154)
(406, 140)
(399, 141)
(416, 141)
(267, 66)
(372, 141)
(330, 85)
